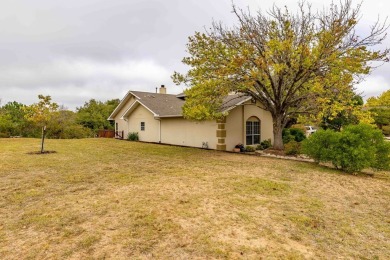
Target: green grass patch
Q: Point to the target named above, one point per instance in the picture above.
(259, 186)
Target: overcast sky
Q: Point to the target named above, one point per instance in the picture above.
(75, 50)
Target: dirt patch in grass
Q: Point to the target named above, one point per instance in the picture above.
(44, 152)
(103, 198)
(274, 152)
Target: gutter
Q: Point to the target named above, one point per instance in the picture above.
(167, 116)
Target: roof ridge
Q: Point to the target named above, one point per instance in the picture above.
(153, 93)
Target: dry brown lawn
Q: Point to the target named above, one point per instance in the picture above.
(104, 198)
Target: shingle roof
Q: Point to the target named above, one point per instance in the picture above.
(163, 105)
(168, 105)
(231, 101)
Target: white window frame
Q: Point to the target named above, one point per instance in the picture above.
(252, 130)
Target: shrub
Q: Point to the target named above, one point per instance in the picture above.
(286, 136)
(249, 149)
(264, 145)
(320, 145)
(353, 151)
(4, 135)
(293, 134)
(133, 136)
(76, 132)
(386, 130)
(382, 157)
(355, 148)
(299, 135)
(292, 148)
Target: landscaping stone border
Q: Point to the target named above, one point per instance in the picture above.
(293, 158)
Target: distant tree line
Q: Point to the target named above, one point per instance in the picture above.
(17, 119)
(380, 109)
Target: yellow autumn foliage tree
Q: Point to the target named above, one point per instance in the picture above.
(291, 63)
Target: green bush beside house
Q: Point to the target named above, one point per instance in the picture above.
(133, 136)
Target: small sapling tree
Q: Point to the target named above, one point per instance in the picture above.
(41, 113)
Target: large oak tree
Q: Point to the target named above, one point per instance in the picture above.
(289, 62)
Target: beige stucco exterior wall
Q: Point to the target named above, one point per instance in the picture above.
(141, 114)
(236, 120)
(180, 131)
(234, 128)
(265, 118)
(122, 124)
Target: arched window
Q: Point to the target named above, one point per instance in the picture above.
(253, 131)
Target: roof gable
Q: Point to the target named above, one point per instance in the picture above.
(162, 105)
(133, 107)
(121, 104)
(231, 101)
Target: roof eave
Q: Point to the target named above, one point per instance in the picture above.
(166, 116)
(119, 107)
(238, 104)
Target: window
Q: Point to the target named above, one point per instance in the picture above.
(252, 131)
(142, 126)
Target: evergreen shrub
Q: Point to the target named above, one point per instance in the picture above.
(133, 136)
(353, 149)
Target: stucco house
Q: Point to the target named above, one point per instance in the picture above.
(157, 117)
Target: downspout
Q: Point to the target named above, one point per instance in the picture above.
(126, 120)
(115, 129)
(159, 129)
(243, 124)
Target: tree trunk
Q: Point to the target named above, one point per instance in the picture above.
(43, 138)
(278, 129)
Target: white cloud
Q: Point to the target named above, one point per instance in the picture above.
(81, 79)
(77, 50)
(372, 87)
(66, 71)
